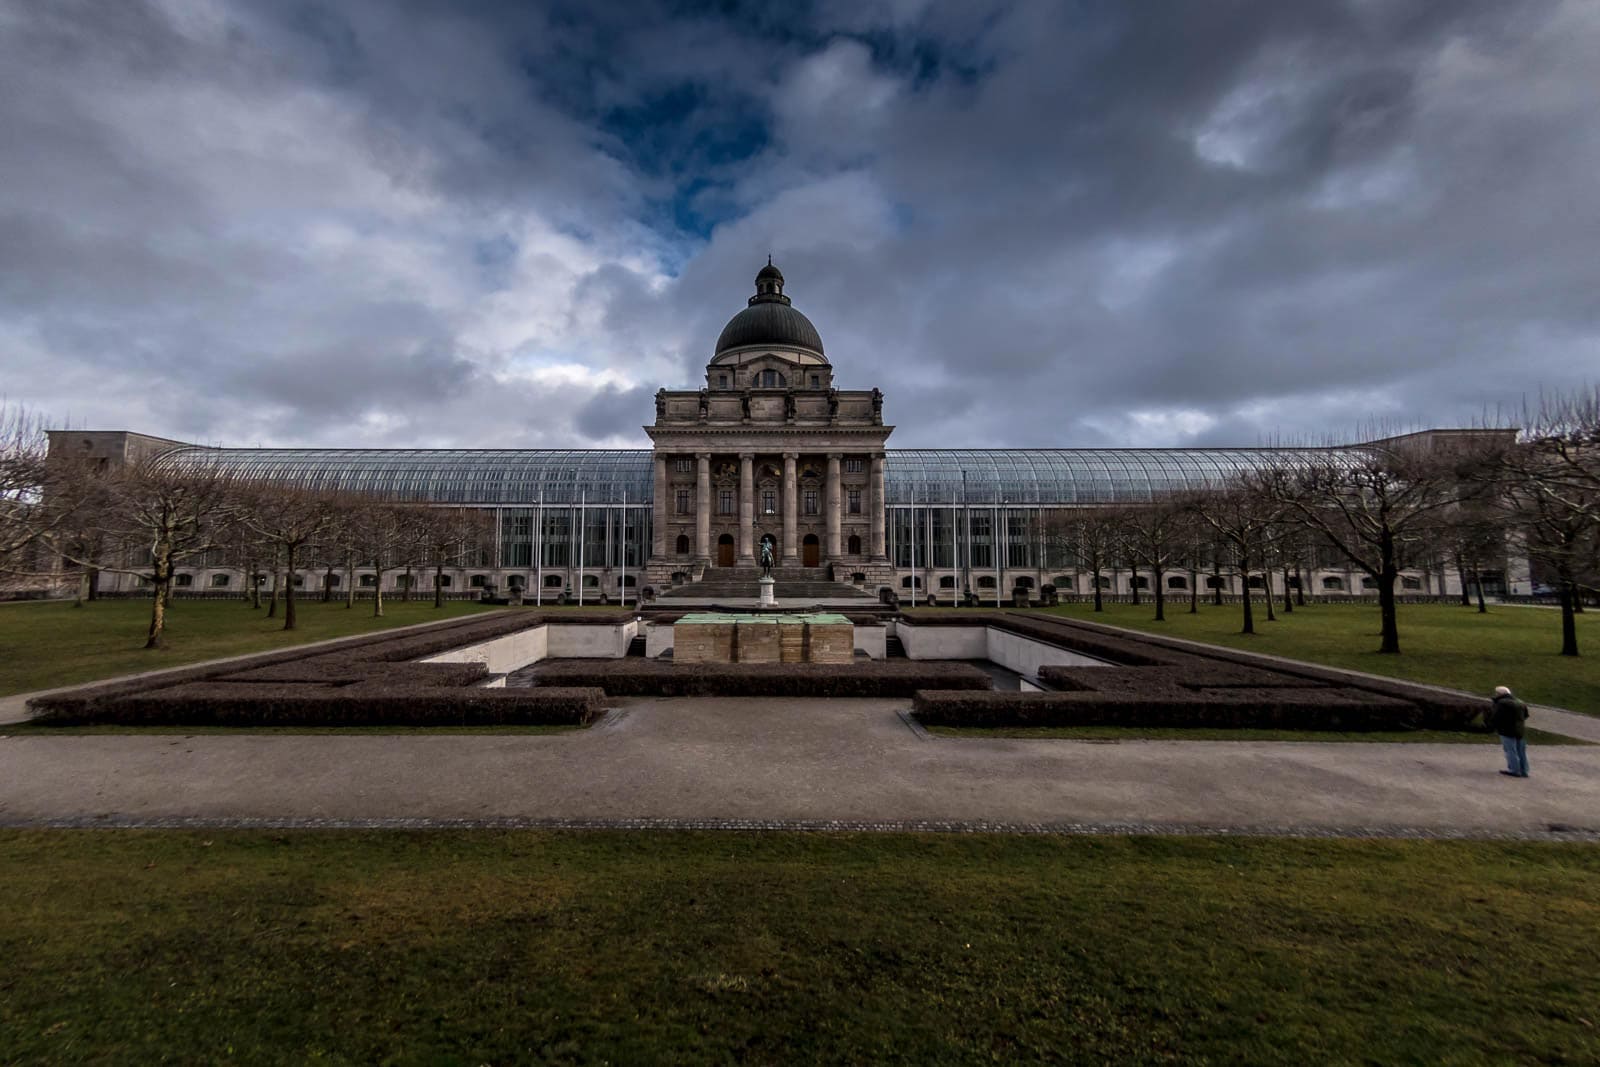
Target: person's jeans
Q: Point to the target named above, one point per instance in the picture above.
(1516, 749)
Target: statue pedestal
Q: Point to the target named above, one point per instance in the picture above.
(767, 599)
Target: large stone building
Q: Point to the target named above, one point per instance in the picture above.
(769, 450)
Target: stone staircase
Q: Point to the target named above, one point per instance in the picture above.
(790, 584)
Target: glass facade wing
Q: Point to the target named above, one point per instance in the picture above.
(441, 476)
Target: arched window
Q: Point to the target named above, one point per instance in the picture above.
(1141, 582)
(947, 581)
(220, 581)
(857, 576)
(911, 581)
(1063, 582)
(627, 581)
(1213, 582)
(853, 546)
(184, 581)
(444, 580)
(591, 581)
(1104, 583)
(1410, 583)
(332, 581)
(552, 581)
(1333, 583)
(477, 580)
(368, 581)
(1177, 581)
(985, 581)
(517, 581)
(1255, 582)
(1024, 582)
(1369, 583)
(683, 544)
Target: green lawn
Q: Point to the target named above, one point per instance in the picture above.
(44, 645)
(1440, 643)
(480, 947)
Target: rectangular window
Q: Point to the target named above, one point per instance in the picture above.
(725, 501)
(722, 381)
(810, 506)
(683, 464)
(816, 381)
(855, 501)
(683, 501)
(852, 466)
(769, 501)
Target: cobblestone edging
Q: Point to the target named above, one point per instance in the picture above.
(1552, 831)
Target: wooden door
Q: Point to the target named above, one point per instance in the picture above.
(810, 552)
(725, 551)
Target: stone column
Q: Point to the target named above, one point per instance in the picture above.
(747, 508)
(834, 507)
(658, 510)
(791, 512)
(702, 505)
(877, 496)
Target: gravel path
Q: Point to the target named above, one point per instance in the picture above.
(794, 764)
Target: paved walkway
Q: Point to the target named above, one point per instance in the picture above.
(779, 762)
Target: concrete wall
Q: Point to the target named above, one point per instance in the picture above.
(657, 639)
(872, 640)
(1013, 652)
(590, 642)
(502, 655)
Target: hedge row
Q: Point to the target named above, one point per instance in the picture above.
(244, 704)
(1166, 675)
(1290, 709)
(878, 678)
(371, 679)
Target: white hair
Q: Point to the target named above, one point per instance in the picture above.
(1501, 691)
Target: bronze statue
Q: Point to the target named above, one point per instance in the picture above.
(766, 559)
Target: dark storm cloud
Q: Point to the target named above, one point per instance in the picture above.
(1030, 223)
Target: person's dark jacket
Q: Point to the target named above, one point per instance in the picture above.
(1508, 716)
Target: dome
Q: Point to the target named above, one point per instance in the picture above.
(770, 319)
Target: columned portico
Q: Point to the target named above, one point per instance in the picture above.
(878, 503)
(791, 511)
(702, 505)
(834, 507)
(747, 507)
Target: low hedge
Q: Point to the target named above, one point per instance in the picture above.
(291, 704)
(879, 678)
(1290, 709)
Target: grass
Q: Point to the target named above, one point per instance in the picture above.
(474, 947)
(43, 730)
(50, 644)
(1440, 643)
(1199, 733)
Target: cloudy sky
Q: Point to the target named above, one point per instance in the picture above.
(1072, 224)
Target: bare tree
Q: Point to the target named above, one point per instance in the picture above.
(149, 519)
(1088, 537)
(447, 535)
(1154, 536)
(1376, 505)
(1242, 520)
(381, 532)
(288, 521)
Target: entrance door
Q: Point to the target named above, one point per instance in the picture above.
(811, 551)
(725, 550)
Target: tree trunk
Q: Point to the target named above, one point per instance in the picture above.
(93, 588)
(1569, 618)
(1133, 586)
(82, 595)
(1216, 589)
(1390, 642)
(1249, 611)
(272, 593)
(327, 585)
(1161, 596)
(1288, 598)
(1099, 604)
(1477, 581)
(438, 585)
(377, 594)
(162, 572)
(255, 588)
(1461, 572)
(288, 587)
(1299, 586)
(349, 582)
(1266, 592)
(1194, 592)
(405, 586)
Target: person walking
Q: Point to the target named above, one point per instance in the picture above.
(1508, 716)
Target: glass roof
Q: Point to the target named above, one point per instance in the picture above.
(1068, 475)
(442, 476)
(519, 477)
